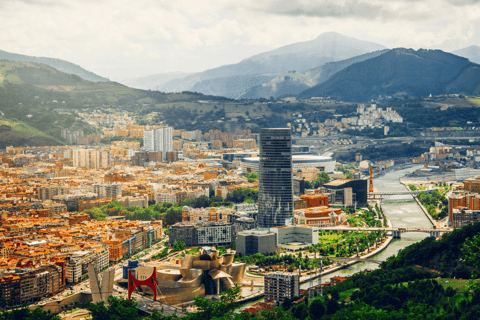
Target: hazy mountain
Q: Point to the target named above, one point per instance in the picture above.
(153, 81)
(16, 72)
(230, 87)
(292, 83)
(472, 53)
(58, 64)
(300, 56)
(401, 72)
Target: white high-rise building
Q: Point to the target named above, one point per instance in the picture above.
(148, 140)
(167, 139)
(158, 140)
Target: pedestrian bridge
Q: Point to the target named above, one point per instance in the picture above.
(358, 259)
(395, 232)
(394, 193)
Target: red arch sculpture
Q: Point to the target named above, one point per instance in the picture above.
(150, 282)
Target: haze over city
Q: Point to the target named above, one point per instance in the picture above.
(123, 39)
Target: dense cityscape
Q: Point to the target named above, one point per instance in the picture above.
(204, 213)
(275, 160)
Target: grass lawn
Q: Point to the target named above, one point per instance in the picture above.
(460, 286)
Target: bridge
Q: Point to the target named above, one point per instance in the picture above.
(359, 259)
(395, 232)
(394, 193)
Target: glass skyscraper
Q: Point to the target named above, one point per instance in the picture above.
(275, 195)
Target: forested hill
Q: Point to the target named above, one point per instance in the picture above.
(401, 72)
(60, 65)
(444, 256)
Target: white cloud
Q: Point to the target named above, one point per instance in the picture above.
(124, 38)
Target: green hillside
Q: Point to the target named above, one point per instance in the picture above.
(58, 64)
(399, 73)
(17, 133)
(47, 99)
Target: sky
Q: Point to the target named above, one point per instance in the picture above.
(123, 39)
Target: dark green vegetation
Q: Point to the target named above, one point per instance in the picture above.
(25, 313)
(401, 72)
(290, 261)
(171, 213)
(321, 179)
(385, 152)
(433, 201)
(401, 289)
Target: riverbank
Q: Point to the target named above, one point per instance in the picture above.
(425, 211)
(348, 264)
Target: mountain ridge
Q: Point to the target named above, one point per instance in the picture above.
(300, 56)
(472, 53)
(292, 83)
(401, 72)
(59, 64)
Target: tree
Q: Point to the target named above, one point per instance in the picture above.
(118, 308)
(252, 176)
(223, 309)
(316, 310)
(172, 216)
(322, 178)
(300, 311)
(471, 251)
(25, 313)
(179, 246)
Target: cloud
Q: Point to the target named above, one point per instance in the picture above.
(114, 37)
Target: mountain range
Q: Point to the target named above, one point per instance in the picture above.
(315, 67)
(298, 57)
(292, 83)
(286, 71)
(401, 72)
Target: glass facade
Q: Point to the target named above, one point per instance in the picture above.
(275, 195)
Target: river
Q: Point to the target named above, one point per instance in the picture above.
(402, 210)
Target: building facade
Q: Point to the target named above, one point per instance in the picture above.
(281, 285)
(275, 195)
(255, 241)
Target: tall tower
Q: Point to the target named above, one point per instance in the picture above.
(185, 215)
(370, 185)
(275, 196)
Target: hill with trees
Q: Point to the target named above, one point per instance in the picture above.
(58, 64)
(401, 73)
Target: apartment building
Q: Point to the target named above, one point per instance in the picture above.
(280, 286)
(202, 233)
(108, 190)
(91, 158)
